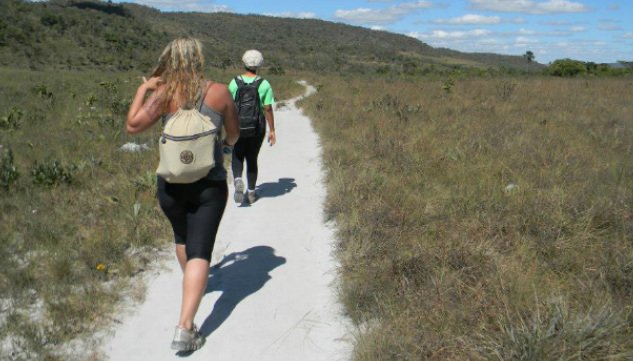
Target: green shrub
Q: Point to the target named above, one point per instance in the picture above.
(8, 172)
(44, 94)
(12, 120)
(52, 173)
(567, 68)
(448, 85)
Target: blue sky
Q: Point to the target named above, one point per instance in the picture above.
(588, 30)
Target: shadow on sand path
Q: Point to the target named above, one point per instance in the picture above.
(237, 276)
(276, 189)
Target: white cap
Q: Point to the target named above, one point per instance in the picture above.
(253, 59)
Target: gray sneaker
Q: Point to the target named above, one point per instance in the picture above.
(187, 340)
(238, 197)
(251, 196)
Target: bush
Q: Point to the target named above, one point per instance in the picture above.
(567, 68)
(8, 172)
(53, 173)
(12, 120)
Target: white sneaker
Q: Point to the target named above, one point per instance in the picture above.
(187, 340)
(238, 197)
(252, 196)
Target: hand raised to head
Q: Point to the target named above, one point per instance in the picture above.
(152, 83)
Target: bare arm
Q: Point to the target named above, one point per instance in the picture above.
(231, 124)
(270, 119)
(144, 113)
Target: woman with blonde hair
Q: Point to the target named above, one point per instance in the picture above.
(194, 209)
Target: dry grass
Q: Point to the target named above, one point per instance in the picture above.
(80, 220)
(482, 219)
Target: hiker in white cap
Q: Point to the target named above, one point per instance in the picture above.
(254, 99)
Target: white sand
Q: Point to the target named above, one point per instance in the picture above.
(274, 297)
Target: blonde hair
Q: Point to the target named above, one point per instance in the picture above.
(180, 67)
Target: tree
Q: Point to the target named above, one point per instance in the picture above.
(567, 68)
(529, 56)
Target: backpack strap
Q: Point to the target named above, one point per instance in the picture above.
(203, 95)
(239, 81)
(258, 81)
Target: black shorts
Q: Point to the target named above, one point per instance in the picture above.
(194, 211)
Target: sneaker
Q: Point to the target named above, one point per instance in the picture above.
(252, 196)
(239, 191)
(187, 340)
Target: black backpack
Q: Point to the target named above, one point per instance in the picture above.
(249, 112)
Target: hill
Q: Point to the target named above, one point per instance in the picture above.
(92, 34)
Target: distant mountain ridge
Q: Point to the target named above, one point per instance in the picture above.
(95, 34)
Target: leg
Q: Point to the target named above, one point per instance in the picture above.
(237, 162)
(172, 204)
(203, 222)
(237, 165)
(194, 284)
(181, 255)
(252, 152)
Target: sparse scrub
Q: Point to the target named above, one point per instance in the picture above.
(553, 331)
(506, 89)
(460, 222)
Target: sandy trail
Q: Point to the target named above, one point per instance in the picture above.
(271, 293)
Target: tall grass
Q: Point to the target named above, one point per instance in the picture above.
(489, 219)
(78, 215)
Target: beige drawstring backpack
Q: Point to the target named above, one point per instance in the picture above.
(187, 146)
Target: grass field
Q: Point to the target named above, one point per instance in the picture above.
(79, 219)
(482, 219)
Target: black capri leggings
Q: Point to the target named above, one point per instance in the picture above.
(247, 148)
(194, 211)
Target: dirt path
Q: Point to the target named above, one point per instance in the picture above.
(270, 293)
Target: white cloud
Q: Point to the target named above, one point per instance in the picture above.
(442, 34)
(392, 14)
(628, 36)
(470, 19)
(529, 6)
(556, 22)
(289, 14)
(523, 41)
(578, 29)
(526, 32)
(609, 26)
(185, 5)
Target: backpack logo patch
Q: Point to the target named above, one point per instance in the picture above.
(186, 157)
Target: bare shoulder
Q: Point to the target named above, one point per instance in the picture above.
(218, 87)
(218, 96)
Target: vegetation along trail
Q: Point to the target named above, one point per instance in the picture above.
(271, 292)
